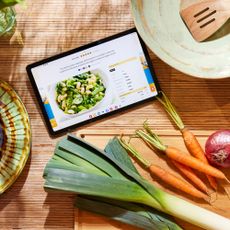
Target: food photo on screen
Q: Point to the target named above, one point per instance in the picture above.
(78, 94)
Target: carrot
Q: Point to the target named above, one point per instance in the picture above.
(177, 155)
(190, 140)
(193, 162)
(189, 173)
(164, 175)
(196, 150)
(175, 181)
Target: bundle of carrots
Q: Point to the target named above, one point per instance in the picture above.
(186, 170)
(164, 175)
(184, 162)
(183, 159)
(191, 142)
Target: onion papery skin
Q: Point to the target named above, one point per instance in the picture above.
(217, 148)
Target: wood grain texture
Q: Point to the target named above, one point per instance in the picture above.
(50, 27)
(203, 19)
(87, 221)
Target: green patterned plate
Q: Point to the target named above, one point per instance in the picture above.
(162, 29)
(15, 136)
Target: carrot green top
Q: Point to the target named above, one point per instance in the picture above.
(171, 110)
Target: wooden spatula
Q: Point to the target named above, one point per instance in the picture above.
(205, 17)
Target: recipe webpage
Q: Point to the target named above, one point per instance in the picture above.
(95, 81)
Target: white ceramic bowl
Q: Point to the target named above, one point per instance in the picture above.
(161, 27)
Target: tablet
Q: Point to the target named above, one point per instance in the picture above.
(93, 81)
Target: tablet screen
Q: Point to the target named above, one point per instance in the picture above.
(102, 78)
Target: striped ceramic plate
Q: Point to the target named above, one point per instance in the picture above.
(15, 136)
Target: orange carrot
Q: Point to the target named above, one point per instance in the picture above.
(193, 162)
(196, 150)
(189, 173)
(176, 182)
(177, 155)
(190, 140)
(164, 175)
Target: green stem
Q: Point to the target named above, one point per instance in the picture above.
(153, 140)
(134, 152)
(171, 110)
(152, 134)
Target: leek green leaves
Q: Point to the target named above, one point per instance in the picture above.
(81, 168)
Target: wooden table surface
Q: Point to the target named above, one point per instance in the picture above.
(50, 27)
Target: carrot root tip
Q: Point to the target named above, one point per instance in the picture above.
(208, 199)
(227, 190)
(213, 197)
(227, 180)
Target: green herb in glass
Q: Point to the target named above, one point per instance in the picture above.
(7, 18)
(8, 3)
(7, 23)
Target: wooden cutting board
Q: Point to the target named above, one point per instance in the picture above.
(88, 221)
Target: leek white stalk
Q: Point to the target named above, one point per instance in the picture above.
(193, 214)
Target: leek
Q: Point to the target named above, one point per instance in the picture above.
(53, 181)
(101, 186)
(115, 149)
(119, 181)
(126, 212)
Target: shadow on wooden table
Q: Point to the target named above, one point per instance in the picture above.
(9, 61)
(61, 210)
(203, 104)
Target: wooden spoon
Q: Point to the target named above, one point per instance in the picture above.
(205, 17)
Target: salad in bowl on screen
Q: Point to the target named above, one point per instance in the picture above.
(80, 93)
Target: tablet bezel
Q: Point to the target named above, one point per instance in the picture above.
(81, 48)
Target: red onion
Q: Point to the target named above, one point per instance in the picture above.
(217, 148)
